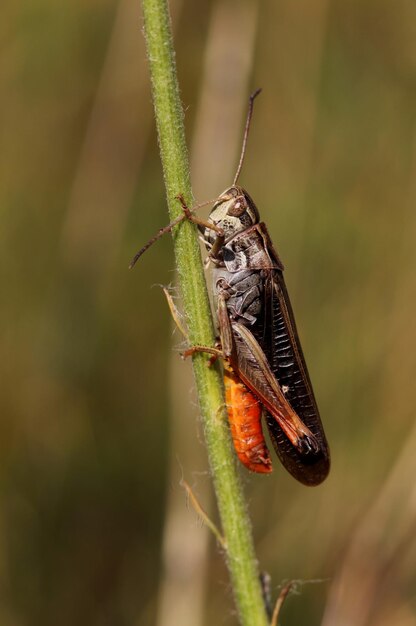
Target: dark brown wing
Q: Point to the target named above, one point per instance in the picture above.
(250, 365)
(285, 356)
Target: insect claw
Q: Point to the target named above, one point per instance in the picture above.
(212, 359)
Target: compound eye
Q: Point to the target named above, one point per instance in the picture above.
(237, 208)
(228, 255)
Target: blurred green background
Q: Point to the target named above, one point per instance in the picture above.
(99, 421)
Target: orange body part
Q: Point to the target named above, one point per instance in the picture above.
(244, 415)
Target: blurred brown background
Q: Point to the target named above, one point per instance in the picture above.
(98, 416)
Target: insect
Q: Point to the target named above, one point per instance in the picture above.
(264, 368)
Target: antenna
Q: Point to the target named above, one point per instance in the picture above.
(247, 128)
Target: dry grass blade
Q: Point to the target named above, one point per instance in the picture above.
(201, 512)
(175, 313)
(279, 602)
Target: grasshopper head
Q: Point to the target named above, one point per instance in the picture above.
(234, 212)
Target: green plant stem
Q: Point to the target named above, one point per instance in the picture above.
(169, 117)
